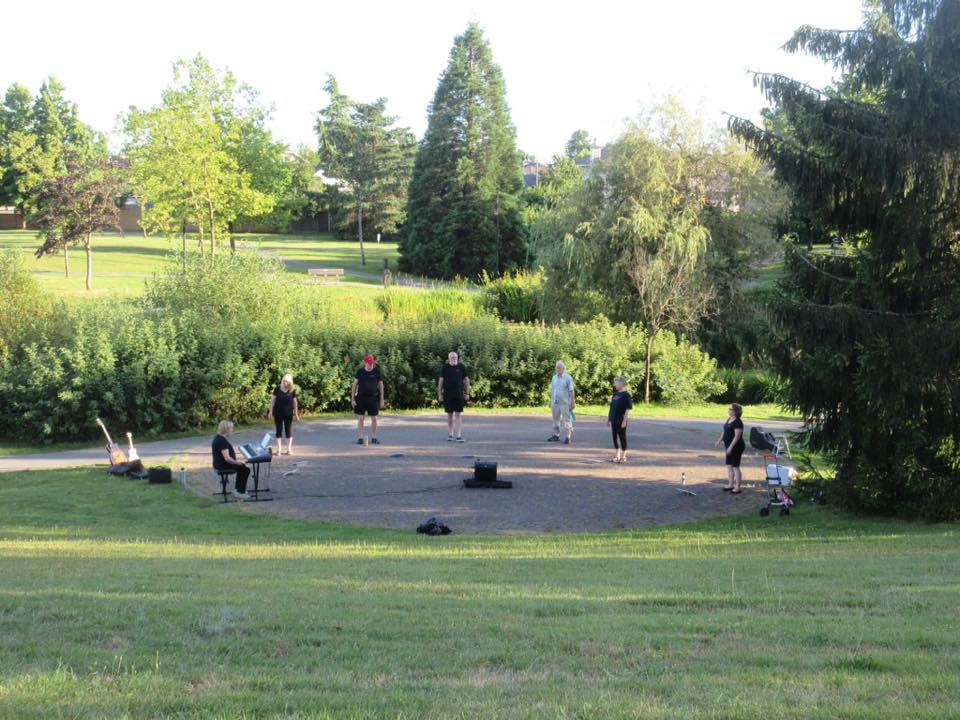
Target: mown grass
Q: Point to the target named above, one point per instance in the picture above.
(300, 252)
(122, 261)
(120, 599)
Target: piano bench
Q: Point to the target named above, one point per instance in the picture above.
(224, 478)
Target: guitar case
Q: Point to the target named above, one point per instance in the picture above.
(134, 469)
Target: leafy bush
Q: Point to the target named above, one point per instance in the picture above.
(22, 304)
(516, 297)
(742, 334)
(682, 372)
(442, 304)
(160, 364)
(748, 387)
(228, 285)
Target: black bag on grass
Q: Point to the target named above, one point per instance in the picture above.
(432, 526)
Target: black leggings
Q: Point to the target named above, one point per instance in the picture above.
(619, 433)
(283, 424)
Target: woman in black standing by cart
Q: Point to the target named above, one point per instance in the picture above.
(283, 409)
(620, 405)
(733, 447)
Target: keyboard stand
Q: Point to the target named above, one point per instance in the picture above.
(255, 475)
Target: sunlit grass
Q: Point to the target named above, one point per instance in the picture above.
(120, 599)
(123, 261)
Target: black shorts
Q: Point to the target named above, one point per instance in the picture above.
(733, 457)
(453, 405)
(368, 405)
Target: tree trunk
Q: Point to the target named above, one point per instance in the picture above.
(66, 262)
(213, 230)
(646, 367)
(89, 251)
(363, 256)
(233, 243)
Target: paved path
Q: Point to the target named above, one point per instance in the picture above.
(157, 452)
(162, 451)
(416, 474)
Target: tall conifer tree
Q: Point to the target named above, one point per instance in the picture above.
(871, 339)
(463, 209)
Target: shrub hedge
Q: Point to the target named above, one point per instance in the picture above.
(747, 387)
(211, 341)
(516, 297)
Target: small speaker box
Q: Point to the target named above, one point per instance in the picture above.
(159, 476)
(485, 476)
(484, 471)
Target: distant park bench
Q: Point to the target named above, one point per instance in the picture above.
(324, 273)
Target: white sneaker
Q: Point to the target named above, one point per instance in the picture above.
(460, 439)
(241, 495)
(450, 438)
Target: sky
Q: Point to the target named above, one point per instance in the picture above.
(567, 65)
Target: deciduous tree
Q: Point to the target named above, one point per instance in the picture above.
(16, 116)
(635, 234)
(74, 204)
(37, 141)
(203, 155)
(371, 159)
(579, 145)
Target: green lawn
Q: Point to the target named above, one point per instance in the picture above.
(121, 262)
(769, 273)
(120, 599)
(771, 270)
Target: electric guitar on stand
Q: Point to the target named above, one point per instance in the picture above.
(113, 450)
(131, 450)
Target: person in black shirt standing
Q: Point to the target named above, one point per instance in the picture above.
(366, 396)
(224, 458)
(283, 409)
(453, 390)
(620, 406)
(733, 447)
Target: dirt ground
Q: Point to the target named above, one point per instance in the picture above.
(415, 474)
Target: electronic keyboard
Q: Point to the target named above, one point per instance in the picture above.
(258, 453)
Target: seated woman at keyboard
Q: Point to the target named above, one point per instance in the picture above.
(224, 458)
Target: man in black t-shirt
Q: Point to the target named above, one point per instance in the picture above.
(366, 396)
(224, 458)
(453, 390)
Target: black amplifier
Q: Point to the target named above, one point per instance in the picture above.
(484, 470)
(485, 476)
(159, 475)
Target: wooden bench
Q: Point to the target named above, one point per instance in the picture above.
(324, 273)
